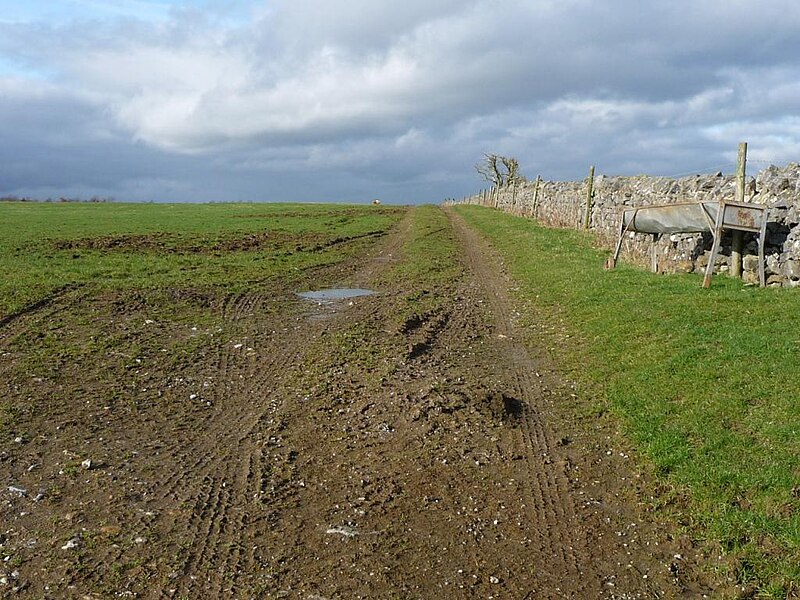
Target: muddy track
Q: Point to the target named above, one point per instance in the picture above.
(235, 472)
(281, 448)
(561, 546)
(576, 529)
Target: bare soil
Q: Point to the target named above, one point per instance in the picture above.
(191, 444)
(166, 243)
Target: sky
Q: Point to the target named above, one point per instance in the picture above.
(350, 100)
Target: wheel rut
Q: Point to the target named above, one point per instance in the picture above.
(246, 468)
(562, 550)
(591, 538)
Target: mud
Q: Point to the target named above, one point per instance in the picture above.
(187, 446)
(339, 214)
(173, 244)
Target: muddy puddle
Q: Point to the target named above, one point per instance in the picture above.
(334, 294)
(328, 302)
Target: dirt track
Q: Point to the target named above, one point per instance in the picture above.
(277, 448)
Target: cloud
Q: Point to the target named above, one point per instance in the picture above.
(393, 93)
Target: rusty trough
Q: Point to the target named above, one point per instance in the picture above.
(696, 217)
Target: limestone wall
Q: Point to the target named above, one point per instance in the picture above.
(563, 204)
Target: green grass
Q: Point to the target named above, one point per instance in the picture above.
(46, 246)
(706, 382)
(430, 255)
(431, 268)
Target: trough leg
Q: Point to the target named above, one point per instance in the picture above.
(618, 248)
(654, 252)
(717, 233)
(711, 259)
(762, 241)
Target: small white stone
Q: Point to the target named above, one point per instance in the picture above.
(71, 544)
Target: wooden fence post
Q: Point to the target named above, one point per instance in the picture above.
(737, 237)
(587, 218)
(514, 199)
(536, 194)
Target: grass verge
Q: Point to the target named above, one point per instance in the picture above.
(706, 382)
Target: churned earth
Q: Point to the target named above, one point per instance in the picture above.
(414, 443)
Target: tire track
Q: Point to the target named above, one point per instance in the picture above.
(52, 298)
(404, 446)
(204, 463)
(551, 507)
(229, 463)
(219, 536)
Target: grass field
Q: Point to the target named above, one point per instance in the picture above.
(44, 247)
(706, 381)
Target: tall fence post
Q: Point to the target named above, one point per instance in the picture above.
(589, 199)
(737, 237)
(536, 194)
(514, 199)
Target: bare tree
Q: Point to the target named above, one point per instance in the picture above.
(511, 166)
(490, 170)
(500, 171)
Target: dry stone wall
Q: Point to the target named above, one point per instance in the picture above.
(563, 204)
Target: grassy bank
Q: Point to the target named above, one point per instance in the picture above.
(707, 383)
(46, 246)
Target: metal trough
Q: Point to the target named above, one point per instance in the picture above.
(696, 217)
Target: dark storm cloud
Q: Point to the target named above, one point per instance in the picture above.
(396, 96)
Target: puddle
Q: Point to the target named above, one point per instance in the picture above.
(328, 301)
(335, 294)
